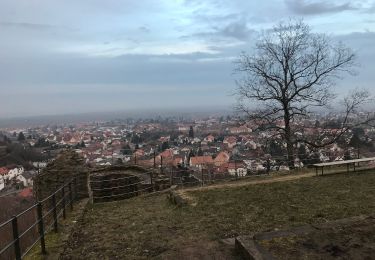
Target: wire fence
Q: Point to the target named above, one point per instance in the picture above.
(116, 186)
(20, 234)
(239, 166)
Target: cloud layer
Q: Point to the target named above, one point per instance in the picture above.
(79, 56)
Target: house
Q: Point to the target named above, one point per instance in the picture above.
(2, 183)
(40, 164)
(209, 139)
(3, 171)
(201, 161)
(236, 169)
(13, 173)
(251, 144)
(240, 130)
(230, 141)
(139, 153)
(221, 158)
(183, 128)
(27, 178)
(254, 165)
(167, 154)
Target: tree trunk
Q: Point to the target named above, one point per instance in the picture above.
(288, 140)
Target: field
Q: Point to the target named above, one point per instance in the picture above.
(151, 227)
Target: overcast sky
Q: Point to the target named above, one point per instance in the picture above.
(72, 56)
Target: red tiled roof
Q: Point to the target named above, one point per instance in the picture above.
(222, 157)
(198, 160)
(4, 170)
(167, 154)
(230, 139)
(28, 192)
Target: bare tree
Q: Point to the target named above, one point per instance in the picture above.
(292, 71)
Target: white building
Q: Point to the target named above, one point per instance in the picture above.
(14, 173)
(2, 183)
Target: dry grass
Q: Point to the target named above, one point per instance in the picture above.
(150, 227)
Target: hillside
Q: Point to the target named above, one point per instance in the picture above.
(152, 227)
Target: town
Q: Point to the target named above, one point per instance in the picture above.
(220, 147)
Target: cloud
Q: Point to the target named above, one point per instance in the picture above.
(370, 9)
(30, 26)
(237, 30)
(144, 29)
(125, 52)
(304, 7)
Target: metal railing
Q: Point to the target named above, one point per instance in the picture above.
(47, 213)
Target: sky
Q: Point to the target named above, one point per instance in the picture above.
(69, 56)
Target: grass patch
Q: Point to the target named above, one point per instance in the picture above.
(150, 227)
(55, 242)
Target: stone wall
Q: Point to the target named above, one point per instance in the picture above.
(119, 182)
(113, 186)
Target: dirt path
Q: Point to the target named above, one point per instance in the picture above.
(184, 193)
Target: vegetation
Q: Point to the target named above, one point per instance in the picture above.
(291, 72)
(191, 132)
(151, 227)
(21, 137)
(20, 154)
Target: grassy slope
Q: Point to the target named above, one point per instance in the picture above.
(151, 227)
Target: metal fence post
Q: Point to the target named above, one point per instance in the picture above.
(41, 228)
(16, 238)
(63, 201)
(70, 195)
(54, 212)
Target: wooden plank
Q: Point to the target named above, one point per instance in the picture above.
(344, 162)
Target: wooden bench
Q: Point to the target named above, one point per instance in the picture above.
(347, 162)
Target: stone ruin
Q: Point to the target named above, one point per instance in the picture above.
(123, 182)
(67, 166)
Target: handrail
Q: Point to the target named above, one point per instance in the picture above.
(26, 210)
(5, 223)
(67, 199)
